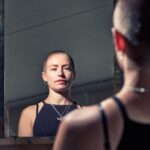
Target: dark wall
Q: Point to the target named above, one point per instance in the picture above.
(1, 68)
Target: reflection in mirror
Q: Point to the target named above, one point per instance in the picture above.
(32, 29)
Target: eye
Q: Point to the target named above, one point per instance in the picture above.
(67, 68)
(53, 68)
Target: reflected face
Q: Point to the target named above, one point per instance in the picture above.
(58, 72)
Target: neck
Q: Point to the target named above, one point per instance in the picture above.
(58, 98)
(138, 89)
(136, 85)
(137, 78)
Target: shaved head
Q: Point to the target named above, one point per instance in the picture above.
(132, 19)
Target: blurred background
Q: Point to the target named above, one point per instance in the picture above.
(34, 28)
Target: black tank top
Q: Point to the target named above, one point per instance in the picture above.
(46, 121)
(136, 136)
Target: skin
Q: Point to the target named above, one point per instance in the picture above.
(59, 76)
(82, 129)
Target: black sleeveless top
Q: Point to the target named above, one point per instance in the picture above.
(47, 120)
(136, 136)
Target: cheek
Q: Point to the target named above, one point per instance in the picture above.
(50, 76)
(71, 76)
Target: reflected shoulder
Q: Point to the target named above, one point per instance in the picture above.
(29, 109)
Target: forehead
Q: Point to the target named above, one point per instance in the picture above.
(58, 58)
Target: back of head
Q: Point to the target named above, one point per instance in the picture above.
(132, 19)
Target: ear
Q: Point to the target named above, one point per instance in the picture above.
(119, 41)
(44, 77)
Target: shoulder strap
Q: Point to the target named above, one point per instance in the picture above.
(37, 108)
(44, 103)
(76, 104)
(105, 128)
(121, 107)
(105, 123)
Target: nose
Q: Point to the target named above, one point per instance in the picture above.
(60, 72)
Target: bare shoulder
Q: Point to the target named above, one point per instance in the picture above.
(84, 127)
(81, 117)
(29, 110)
(91, 114)
(81, 129)
(115, 121)
(26, 121)
(28, 114)
(32, 109)
(111, 108)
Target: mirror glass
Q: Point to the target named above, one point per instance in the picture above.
(34, 28)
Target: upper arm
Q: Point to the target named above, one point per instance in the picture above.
(25, 126)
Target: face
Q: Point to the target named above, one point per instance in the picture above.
(58, 73)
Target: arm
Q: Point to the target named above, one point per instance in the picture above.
(25, 127)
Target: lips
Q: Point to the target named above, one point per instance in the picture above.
(61, 81)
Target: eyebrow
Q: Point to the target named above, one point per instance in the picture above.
(62, 65)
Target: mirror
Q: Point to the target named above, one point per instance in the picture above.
(34, 28)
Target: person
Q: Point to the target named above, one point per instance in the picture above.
(43, 118)
(121, 121)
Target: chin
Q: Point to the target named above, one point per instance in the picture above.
(64, 89)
